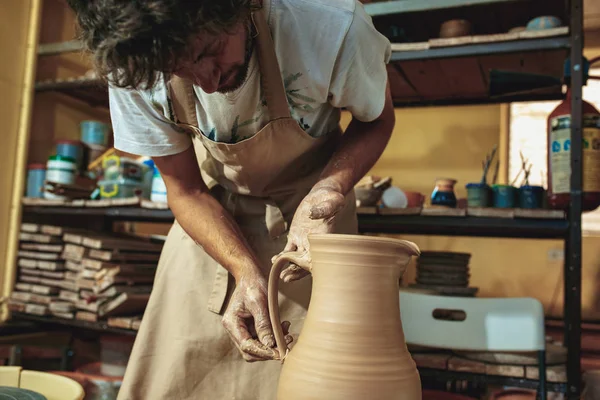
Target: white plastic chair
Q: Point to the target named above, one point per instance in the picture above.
(480, 324)
(51, 386)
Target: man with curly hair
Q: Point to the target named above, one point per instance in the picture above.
(238, 103)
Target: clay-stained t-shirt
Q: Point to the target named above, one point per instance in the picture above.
(330, 56)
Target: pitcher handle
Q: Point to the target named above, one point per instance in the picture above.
(273, 300)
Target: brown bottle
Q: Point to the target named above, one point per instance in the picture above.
(559, 156)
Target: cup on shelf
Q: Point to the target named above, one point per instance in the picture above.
(71, 148)
(504, 196)
(531, 196)
(478, 195)
(394, 197)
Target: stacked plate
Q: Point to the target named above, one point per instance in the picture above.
(444, 272)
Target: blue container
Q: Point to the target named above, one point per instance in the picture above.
(478, 195)
(531, 196)
(36, 176)
(148, 177)
(94, 132)
(71, 148)
(443, 193)
(505, 196)
(543, 22)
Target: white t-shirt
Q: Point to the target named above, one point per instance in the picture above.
(330, 56)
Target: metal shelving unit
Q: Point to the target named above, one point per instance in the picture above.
(551, 50)
(569, 230)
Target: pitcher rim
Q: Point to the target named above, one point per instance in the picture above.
(347, 237)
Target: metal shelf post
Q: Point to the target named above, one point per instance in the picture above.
(572, 273)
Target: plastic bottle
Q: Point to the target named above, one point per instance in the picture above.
(559, 156)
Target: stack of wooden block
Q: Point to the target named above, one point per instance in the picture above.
(84, 275)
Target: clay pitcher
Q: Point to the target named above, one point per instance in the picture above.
(352, 345)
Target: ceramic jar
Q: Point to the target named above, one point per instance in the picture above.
(443, 193)
(352, 345)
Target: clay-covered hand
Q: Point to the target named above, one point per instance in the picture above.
(315, 214)
(247, 320)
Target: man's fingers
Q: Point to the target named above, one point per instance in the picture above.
(251, 349)
(290, 246)
(328, 208)
(285, 326)
(289, 339)
(262, 323)
(236, 327)
(257, 351)
(293, 273)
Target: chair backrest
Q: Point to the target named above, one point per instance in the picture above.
(53, 387)
(464, 323)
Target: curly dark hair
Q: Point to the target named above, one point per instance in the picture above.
(133, 40)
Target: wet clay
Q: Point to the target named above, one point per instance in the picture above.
(352, 345)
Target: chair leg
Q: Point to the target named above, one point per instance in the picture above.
(543, 394)
(15, 358)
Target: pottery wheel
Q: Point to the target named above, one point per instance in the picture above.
(13, 393)
(555, 354)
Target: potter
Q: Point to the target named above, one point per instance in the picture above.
(238, 104)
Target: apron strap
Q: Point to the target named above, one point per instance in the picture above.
(181, 92)
(271, 80)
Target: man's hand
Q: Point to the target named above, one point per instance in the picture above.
(315, 214)
(247, 320)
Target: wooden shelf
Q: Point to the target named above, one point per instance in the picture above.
(488, 47)
(431, 375)
(460, 74)
(100, 326)
(90, 90)
(368, 223)
(380, 8)
(48, 49)
(417, 20)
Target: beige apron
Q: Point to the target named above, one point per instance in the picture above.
(182, 351)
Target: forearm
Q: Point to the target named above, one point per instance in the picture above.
(202, 217)
(206, 221)
(360, 147)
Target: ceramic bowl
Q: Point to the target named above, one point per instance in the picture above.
(394, 197)
(543, 22)
(367, 197)
(455, 28)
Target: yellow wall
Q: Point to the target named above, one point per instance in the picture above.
(17, 41)
(56, 116)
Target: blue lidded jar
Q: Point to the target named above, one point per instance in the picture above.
(443, 193)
